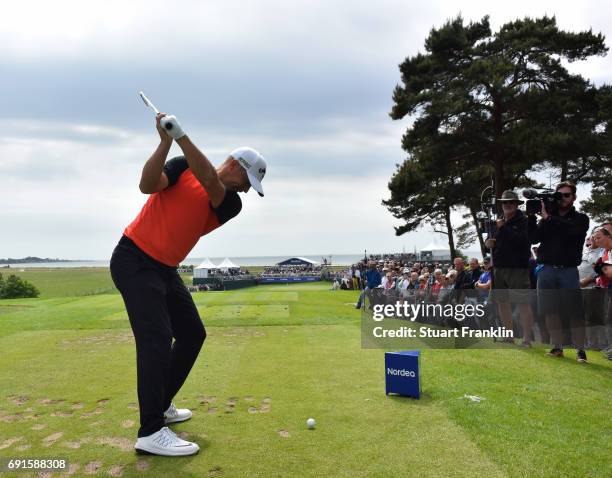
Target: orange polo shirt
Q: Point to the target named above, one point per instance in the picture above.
(172, 221)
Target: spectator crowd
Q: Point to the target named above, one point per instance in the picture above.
(558, 290)
(310, 270)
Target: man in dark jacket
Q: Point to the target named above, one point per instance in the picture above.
(561, 234)
(511, 254)
(373, 280)
(475, 271)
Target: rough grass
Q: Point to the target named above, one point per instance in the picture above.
(274, 356)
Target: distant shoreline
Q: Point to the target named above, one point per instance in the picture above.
(243, 261)
(34, 260)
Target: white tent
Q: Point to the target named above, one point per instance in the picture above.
(204, 269)
(438, 252)
(227, 264)
(207, 264)
(297, 261)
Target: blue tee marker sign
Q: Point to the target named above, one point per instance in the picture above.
(402, 373)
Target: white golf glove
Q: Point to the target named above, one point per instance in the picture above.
(172, 127)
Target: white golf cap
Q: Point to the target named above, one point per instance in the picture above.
(254, 164)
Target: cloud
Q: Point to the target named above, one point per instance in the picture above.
(307, 83)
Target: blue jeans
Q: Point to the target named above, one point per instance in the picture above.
(361, 298)
(560, 301)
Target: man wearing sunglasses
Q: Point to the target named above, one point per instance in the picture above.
(561, 235)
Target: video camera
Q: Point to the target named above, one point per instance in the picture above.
(486, 224)
(534, 206)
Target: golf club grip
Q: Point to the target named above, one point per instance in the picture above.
(166, 124)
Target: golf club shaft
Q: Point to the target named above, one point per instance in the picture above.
(148, 102)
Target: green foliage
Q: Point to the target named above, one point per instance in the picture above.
(496, 104)
(15, 288)
(600, 203)
(466, 236)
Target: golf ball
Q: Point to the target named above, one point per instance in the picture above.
(311, 423)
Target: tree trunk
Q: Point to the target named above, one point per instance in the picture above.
(564, 168)
(449, 228)
(498, 153)
(483, 249)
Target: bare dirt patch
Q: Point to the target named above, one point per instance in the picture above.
(62, 414)
(284, 433)
(206, 398)
(127, 423)
(93, 467)
(216, 471)
(266, 405)
(10, 441)
(10, 418)
(123, 444)
(18, 400)
(72, 469)
(116, 470)
(49, 401)
(38, 426)
(51, 439)
(97, 411)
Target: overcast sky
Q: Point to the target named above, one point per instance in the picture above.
(307, 83)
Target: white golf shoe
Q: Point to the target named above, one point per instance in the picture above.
(165, 442)
(174, 415)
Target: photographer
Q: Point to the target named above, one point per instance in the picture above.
(511, 253)
(561, 233)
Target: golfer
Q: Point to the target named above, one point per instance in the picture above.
(189, 198)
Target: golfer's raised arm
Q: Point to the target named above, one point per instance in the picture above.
(152, 179)
(203, 170)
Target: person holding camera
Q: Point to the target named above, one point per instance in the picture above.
(561, 232)
(511, 253)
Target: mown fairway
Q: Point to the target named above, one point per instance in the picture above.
(274, 356)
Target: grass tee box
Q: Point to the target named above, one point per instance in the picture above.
(276, 355)
(402, 373)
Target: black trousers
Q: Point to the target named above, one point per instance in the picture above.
(160, 308)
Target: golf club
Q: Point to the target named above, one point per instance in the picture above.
(148, 102)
